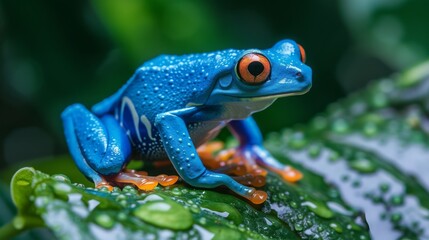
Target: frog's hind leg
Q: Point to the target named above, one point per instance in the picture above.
(100, 149)
(99, 146)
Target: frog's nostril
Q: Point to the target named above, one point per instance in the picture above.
(299, 76)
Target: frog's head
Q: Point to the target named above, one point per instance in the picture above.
(256, 75)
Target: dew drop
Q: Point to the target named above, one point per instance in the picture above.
(340, 126)
(363, 165)
(336, 227)
(384, 187)
(314, 150)
(62, 188)
(22, 183)
(298, 227)
(396, 217)
(297, 141)
(104, 220)
(397, 200)
(319, 209)
(169, 215)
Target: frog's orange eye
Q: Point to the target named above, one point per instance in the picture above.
(302, 52)
(253, 68)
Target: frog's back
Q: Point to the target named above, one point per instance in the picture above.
(164, 84)
(169, 83)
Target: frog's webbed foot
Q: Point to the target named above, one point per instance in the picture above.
(245, 162)
(228, 162)
(141, 179)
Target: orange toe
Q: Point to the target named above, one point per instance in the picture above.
(290, 174)
(165, 180)
(147, 185)
(257, 196)
(104, 184)
(144, 183)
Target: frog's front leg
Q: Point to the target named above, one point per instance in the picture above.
(182, 153)
(251, 149)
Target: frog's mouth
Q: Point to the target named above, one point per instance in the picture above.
(268, 97)
(280, 95)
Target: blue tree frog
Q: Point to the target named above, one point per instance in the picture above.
(174, 104)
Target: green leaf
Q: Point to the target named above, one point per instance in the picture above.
(71, 210)
(22, 186)
(373, 146)
(178, 211)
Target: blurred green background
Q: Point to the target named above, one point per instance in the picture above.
(54, 53)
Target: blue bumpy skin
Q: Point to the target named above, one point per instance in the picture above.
(174, 104)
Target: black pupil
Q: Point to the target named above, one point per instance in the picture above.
(255, 68)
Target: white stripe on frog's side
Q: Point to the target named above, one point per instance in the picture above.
(148, 126)
(126, 101)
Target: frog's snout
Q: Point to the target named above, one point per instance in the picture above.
(299, 76)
